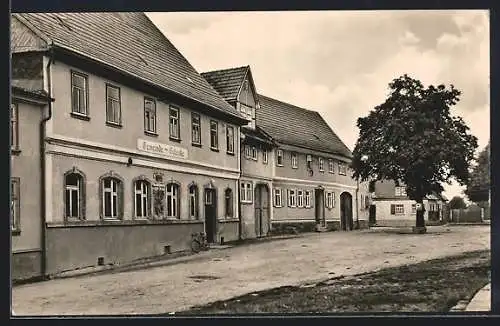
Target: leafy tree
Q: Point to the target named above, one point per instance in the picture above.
(479, 183)
(457, 202)
(413, 138)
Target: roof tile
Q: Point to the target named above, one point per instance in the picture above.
(227, 82)
(292, 125)
(133, 44)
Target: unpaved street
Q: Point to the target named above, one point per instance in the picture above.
(239, 270)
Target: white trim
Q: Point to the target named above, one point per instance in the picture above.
(68, 141)
(88, 154)
(302, 181)
(48, 188)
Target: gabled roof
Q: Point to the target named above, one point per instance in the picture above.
(292, 125)
(131, 43)
(227, 82)
(257, 134)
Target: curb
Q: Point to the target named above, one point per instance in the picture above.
(463, 304)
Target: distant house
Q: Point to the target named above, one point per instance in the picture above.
(394, 208)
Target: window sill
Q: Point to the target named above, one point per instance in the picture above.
(295, 167)
(150, 133)
(15, 232)
(114, 124)
(246, 202)
(230, 153)
(213, 149)
(196, 144)
(15, 151)
(80, 116)
(279, 165)
(174, 139)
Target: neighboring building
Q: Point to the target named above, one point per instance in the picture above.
(237, 87)
(28, 109)
(312, 182)
(141, 151)
(394, 208)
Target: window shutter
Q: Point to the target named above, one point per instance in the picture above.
(393, 209)
(288, 198)
(325, 195)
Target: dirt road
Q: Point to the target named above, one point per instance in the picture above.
(239, 270)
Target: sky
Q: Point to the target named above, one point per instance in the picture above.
(339, 63)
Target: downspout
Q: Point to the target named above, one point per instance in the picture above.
(42, 166)
(240, 221)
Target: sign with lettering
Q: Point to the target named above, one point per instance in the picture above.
(169, 151)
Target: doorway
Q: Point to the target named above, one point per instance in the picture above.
(372, 217)
(261, 197)
(346, 220)
(210, 214)
(319, 207)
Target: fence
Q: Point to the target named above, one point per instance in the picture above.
(471, 214)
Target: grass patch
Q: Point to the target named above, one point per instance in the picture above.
(431, 286)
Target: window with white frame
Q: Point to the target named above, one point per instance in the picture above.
(292, 198)
(264, 156)
(400, 191)
(254, 153)
(15, 205)
(113, 105)
(195, 128)
(214, 135)
(79, 93)
(278, 197)
(300, 198)
(246, 192)
(74, 195)
(330, 200)
(279, 157)
(174, 126)
(111, 198)
(149, 115)
(193, 201)
(342, 169)
(321, 164)
(142, 207)
(293, 157)
(397, 209)
(14, 127)
(307, 199)
(172, 200)
(331, 166)
(248, 152)
(230, 139)
(414, 208)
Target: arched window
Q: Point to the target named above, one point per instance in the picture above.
(228, 199)
(74, 195)
(193, 201)
(111, 196)
(172, 196)
(142, 198)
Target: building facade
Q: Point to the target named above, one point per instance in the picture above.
(28, 109)
(394, 208)
(313, 186)
(140, 152)
(237, 87)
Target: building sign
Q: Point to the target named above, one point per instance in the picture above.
(169, 151)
